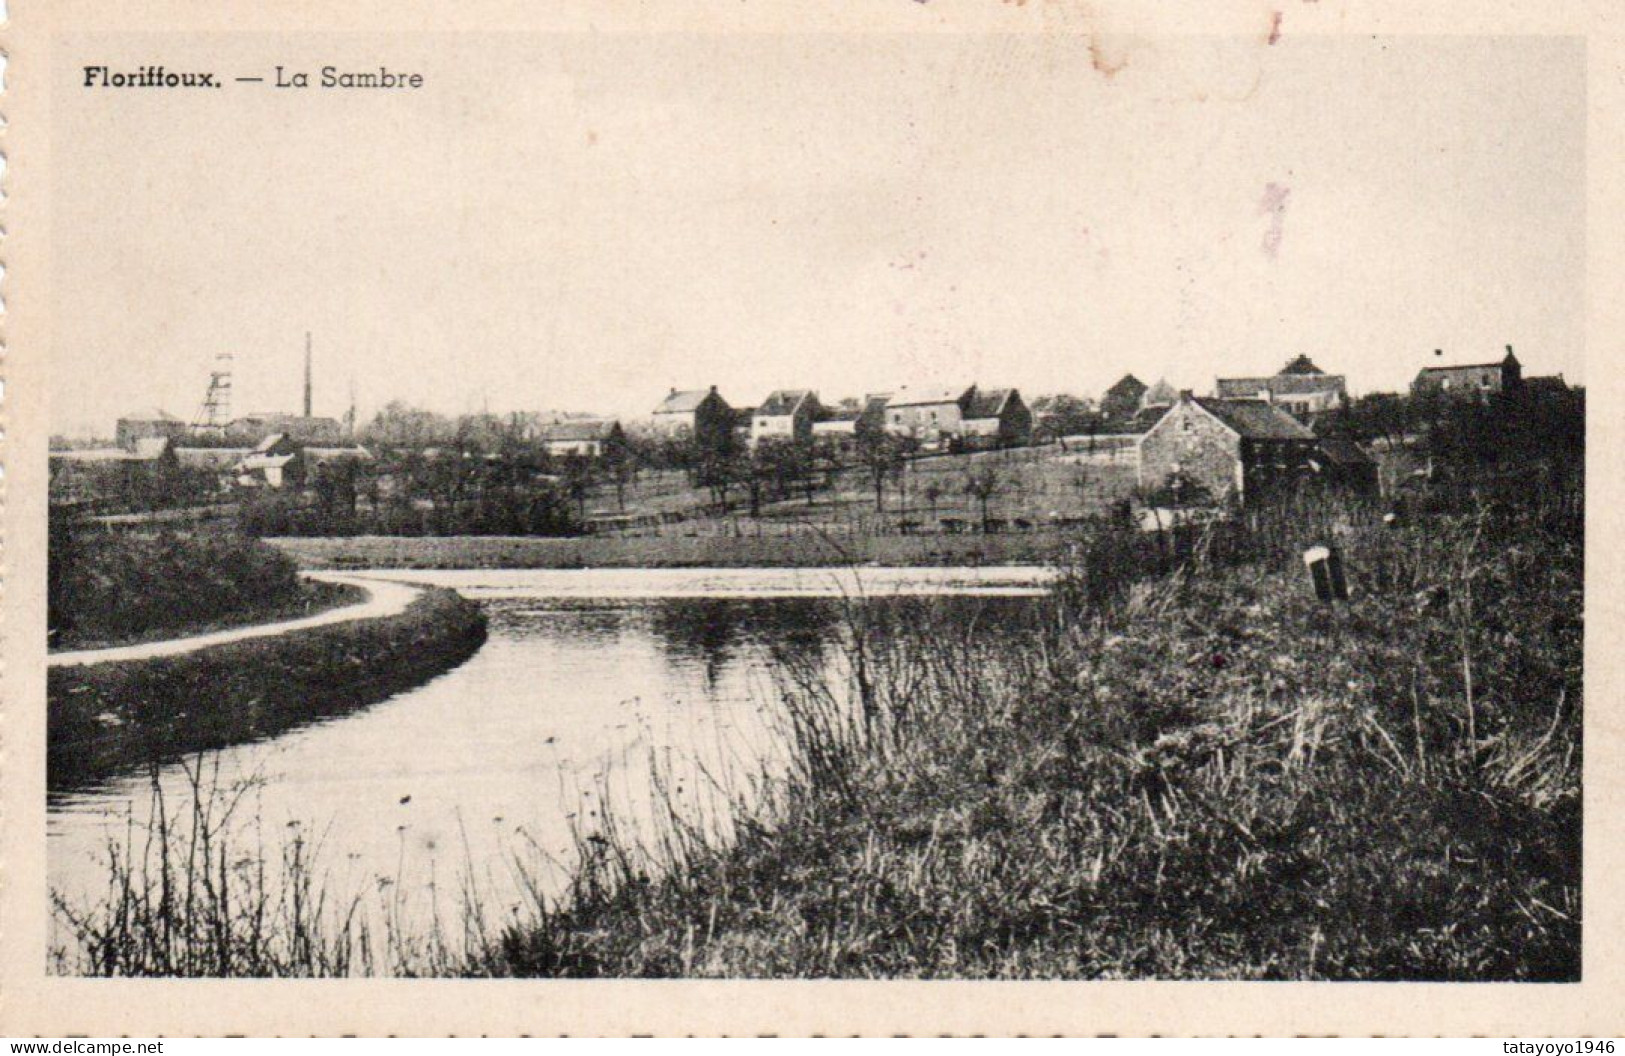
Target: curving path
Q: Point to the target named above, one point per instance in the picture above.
(384, 598)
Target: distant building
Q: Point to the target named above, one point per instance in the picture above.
(146, 424)
(1477, 381)
(1160, 396)
(842, 429)
(1122, 401)
(929, 414)
(304, 429)
(997, 416)
(1345, 463)
(694, 414)
(1300, 388)
(1225, 449)
(275, 462)
(108, 474)
(588, 437)
(787, 414)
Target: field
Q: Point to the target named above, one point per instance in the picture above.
(1039, 497)
(1038, 485)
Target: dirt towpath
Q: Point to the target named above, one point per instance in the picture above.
(383, 599)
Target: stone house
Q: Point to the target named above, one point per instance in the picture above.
(928, 415)
(587, 437)
(700, 415)
(1225, 450)
(843, 429)
(1300, 388)
(149, 423)
(1473, 381)
(787, 414)
(997, 417)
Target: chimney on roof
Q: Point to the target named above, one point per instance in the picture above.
(1186, 395)
(713, 389)
(673, 391)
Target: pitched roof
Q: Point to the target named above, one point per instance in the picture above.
(269, 442)
(684, 402)
(988, 403)
(578, 429)
(907, 397)
(1255, 419)
(783, 402)
(1143, 420)
(1127, 386)
(1344, 452)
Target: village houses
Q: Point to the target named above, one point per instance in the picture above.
(1223, 449)
(937, 415)
(1300, 388)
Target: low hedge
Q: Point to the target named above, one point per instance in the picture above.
(104, 718)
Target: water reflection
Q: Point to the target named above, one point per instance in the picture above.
(574, 702)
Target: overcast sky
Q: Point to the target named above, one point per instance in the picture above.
(582, 222)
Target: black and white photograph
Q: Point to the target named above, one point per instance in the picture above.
(879, 506)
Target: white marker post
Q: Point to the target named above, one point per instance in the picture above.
(1326, 569)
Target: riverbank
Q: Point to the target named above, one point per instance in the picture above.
(109, 590)
(1212, 775)
(107, 717)
(803, 549)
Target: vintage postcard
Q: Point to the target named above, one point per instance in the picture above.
(926, 517)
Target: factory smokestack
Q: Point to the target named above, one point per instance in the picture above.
(307, 374)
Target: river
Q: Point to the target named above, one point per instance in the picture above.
(621, 686)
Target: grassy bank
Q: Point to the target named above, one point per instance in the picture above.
(121, 589)
(803, 549)
(1210, 775)
(110, 716)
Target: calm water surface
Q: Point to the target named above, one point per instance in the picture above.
(589, 683)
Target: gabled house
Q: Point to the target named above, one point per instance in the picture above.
(1473, 381)
(928, 414)
(786, 414)
(588, 437)
(700, 415)
(997, 416)
(1225, 450)
(148, 423)
(1122, 402)
(1346, 464)
(842, 429)
(1300, 388)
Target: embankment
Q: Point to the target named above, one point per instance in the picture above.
(798, 550)
(111, 716)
